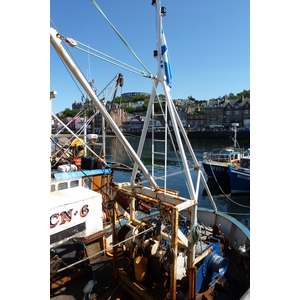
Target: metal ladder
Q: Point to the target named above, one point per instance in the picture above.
(159, 145)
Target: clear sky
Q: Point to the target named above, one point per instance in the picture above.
(208, 42)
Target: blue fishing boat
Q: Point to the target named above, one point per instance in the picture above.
(216, 162)
(240, 176)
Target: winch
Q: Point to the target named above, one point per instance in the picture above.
(155, 247)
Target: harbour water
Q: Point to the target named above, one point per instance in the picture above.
(237, 206)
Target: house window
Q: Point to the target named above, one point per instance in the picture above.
(236, 112)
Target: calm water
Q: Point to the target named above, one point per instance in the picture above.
(238, 206)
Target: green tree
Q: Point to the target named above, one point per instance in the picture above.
(202, 108)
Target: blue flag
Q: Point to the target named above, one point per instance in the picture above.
(165, 58)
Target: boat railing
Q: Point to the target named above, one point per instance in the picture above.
(219, 157)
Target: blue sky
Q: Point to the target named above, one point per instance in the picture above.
(208, 42)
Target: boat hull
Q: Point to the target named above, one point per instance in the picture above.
(216, 171)
(239, 180)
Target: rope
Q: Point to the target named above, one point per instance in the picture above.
(196, 234)
(224, 192)
(120, 36)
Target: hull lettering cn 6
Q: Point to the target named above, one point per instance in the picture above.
(57, 219)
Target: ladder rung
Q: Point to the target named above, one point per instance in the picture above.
(161, 153)
(158, 140)
(156, 165)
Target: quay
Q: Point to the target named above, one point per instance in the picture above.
(211, 135)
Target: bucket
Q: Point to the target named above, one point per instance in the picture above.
(77, 161)
(140, 268)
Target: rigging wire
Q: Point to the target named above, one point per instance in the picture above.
(111, 60)
(120, 36)
(66, 46)
(113, 80)
(171, 139)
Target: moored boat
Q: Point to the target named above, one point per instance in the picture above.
(215, 163)
(240, 176)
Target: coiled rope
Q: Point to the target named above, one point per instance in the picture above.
(196, 234)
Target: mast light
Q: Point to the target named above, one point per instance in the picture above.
(163, 11)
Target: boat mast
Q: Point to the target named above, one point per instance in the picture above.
(55, 40)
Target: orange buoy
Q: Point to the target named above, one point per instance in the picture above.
(77, 161)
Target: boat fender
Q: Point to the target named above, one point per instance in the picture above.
(73, 168)
(89, 287)
(63, 168)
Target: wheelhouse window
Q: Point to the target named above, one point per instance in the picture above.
(87, 182)
(62, 186)
(74, 183)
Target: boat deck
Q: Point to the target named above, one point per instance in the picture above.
(103, 270)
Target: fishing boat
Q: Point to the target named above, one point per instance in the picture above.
(240, 176)
(174, 249)
(216, 162)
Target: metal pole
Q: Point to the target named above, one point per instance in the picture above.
(179, 142)
(84, 131)
(76, 136)
(174, 246)
(145, 128)
(56, 42)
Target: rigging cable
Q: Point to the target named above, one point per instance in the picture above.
(171, 139)
(111, 60)
(120, 36)
(66, 46)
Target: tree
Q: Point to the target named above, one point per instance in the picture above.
(202, 108)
